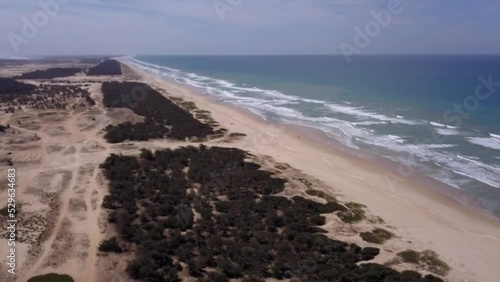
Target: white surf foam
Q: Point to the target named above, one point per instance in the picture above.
(495, 136)
(488, 142)
(360, 112)
(267, 101)
(447, 131)
(469, 167)
(437, 124)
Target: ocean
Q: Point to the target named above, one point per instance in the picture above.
(438, 115)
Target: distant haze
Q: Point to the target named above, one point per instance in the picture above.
(69, 27)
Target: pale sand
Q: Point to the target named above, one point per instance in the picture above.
(467, 240)
(64, 159)
(59, 184)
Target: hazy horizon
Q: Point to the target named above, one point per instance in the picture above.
(242, 27)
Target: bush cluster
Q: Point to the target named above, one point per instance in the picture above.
(12, 86)
(377, 236)
(427, 260)
(163, 118)
(51, 277)
(46, 96)
(221, 216)
(110, 245)
(50, 73)
(107, 67)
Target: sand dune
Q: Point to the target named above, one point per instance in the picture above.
(60, 186)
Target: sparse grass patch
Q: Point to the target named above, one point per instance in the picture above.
(202, 112)
(176, 99)
(321, 194)
(189, 106)
(427, 260)
(237, 134)
(382, 233)
(377, 236)
(377, 220)
(197, 139)
(409, 256)
(282, 166)
(354, 213)
(354, 205)
(213, 123)
(305, 182)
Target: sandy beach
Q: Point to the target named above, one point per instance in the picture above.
(467, 240)
(61, 187)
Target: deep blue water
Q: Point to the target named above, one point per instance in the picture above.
(418, 110)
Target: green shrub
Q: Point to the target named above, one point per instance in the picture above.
(305, 182)
(51, 277)
(433, 263)
(321, 194)
(409, 256)
(4, 211)
(282, 166)
(244, 229)
(370, 238)
(427, 260)
(317, 219)
(377, 236)
(382, 233)
(354, 213)
(237, 134)
(110, 245)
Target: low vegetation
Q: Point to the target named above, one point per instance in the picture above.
(107, 67)
(377, 236)
(306, 182)
(321, 194)
(210, 213)
(163, 118)
(46, 96)
(282, 166)
(12, 86)
(355, 213)
(4, 211)
(110, 245)
(427, 260)
(52, 277)
(237, 134)
(50, 73)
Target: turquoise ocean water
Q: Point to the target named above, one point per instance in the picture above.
(438, 114)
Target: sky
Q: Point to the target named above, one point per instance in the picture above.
(131, 27)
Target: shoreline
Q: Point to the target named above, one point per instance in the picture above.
(460, 234)
(317, 137)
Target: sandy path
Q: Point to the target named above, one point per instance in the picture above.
(73, 161)
(94, 197)
(63, 200)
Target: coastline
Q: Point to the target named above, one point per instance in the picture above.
(467, 239)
